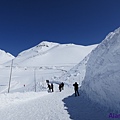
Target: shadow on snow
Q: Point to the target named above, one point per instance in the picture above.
(81, 108)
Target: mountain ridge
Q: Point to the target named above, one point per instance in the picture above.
(52, 54)
(5, 56)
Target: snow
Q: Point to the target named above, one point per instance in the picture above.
(77, 73)
(48, 106)
(5, 57)
(102, 79)
(94, 67)
(49, 62)
(29, 106)
(52, 54)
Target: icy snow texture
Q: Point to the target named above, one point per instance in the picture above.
(102, 79)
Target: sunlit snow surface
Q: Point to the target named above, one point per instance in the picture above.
(5, 57)
(47, 60)
(58, 63)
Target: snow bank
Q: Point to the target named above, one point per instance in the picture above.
(102, 79)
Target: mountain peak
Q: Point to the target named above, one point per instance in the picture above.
(47, 44)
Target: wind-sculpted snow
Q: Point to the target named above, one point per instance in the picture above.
(102, 79)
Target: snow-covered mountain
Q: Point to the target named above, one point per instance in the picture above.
(47, 60)
(96, 67)
(102, 78)
(5, 57)
(53, 54)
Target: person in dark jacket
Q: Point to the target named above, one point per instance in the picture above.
(52, 87)
(49, 87)
(62, 86)
(76, 88)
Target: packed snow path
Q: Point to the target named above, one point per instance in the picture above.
(49, 106)
(44, 106)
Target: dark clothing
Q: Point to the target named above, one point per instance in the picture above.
(49, 87)
(76, 93)
(47, 81)
(62, 85)
(76, 89)
(52, 87)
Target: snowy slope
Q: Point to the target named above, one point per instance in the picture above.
(30, 67)
(5, 57)
(53, 54)
(47, 60)
(77, 73)
(102, 79)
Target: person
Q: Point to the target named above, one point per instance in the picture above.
(52, 87)
(49, 87)
(76, 88)
(62, 86)
(47, 81)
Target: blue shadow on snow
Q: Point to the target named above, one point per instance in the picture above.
(82, 108)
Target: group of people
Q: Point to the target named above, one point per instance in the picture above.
(61, 87)
(50, 86)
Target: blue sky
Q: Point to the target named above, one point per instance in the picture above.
(25, 23)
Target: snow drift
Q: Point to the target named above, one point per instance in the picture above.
(102, 78)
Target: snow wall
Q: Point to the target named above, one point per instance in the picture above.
(102, 78)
